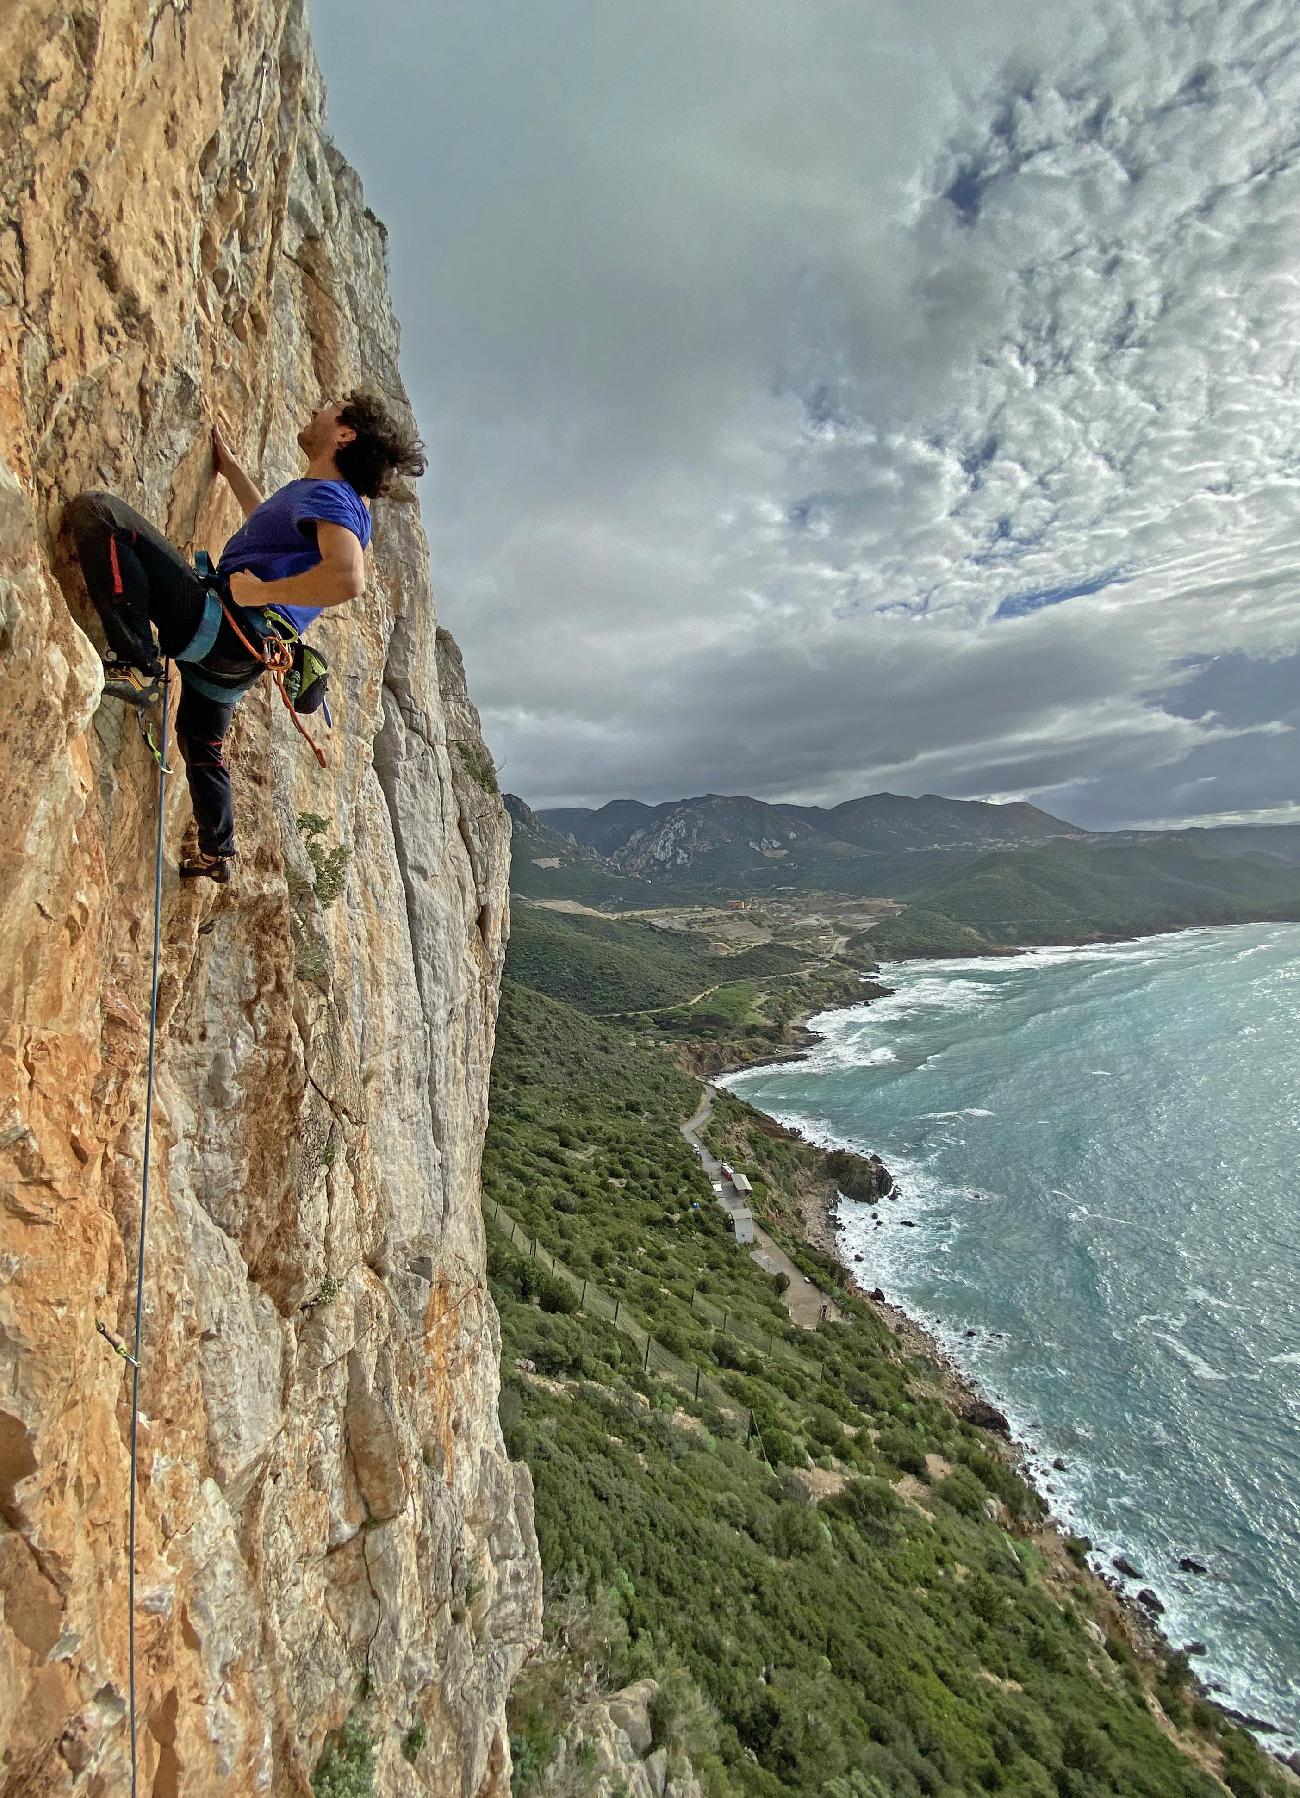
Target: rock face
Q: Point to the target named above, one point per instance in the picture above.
(609, 1752)
(329, 1528)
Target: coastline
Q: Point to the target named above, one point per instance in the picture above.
(959, 1388)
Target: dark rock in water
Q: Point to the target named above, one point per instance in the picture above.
(985, 1417)
(908, 1224)
(1187, 1565)
(970, 1332)
(860, 1177)
(1293, 1761)
(1260, 1723)
(1122, 1564)
(1195, 1648)
(1059, 1464)
(1148, 1598)
(878, 1294)
(859, 1257)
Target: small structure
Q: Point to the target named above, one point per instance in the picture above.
(742, 1222)
(741, 1185)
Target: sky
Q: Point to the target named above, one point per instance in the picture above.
(842, 397)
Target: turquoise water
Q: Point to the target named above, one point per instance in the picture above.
(1100, 1151)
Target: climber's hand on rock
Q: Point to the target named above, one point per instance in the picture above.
(245, 588)
(223, 457)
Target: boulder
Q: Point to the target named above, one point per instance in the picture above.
(1149, 1601)
(1187, 1565)
(1122, 1564)
(985, 1417)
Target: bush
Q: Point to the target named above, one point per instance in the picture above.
(347, 1769)
(329, 866)
(557, 1296)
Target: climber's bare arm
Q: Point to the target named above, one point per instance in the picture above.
(339, 576)
(223, 460)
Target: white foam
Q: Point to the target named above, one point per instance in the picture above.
(1200, 1368)
(1289, 1360)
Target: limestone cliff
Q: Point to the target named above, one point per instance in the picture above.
(329, 1527)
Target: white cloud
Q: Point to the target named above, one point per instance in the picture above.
(765, 351)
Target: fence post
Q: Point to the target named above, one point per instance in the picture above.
(532, 1248)
(512, 1229)
(646, 1363)
(697, 1384)
(617, 1303)
(725, 1316)
(582, 1301)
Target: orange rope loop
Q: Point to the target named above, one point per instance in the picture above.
(277, 657)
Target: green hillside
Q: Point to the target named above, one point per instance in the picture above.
(843, 1589)
(600, 966)
(1073, 892)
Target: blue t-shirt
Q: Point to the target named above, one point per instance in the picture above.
(279, 539)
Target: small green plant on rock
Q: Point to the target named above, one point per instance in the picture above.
(413, 1741)
(348, 1768)
(329, 866)
(478, 764)
(329, 1289)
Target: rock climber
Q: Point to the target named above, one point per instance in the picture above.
(298, 552)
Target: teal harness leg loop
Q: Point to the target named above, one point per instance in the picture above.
(206, 635)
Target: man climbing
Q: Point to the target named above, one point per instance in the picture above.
(297, 553)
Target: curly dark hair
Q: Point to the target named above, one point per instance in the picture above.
(382, 448)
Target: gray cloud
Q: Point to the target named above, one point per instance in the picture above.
(782, 365)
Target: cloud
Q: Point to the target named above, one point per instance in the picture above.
(1019, 605)
(771, 356)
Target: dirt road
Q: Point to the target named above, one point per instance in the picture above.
(807, 1304)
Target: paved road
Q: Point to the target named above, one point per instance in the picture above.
(806, 1303)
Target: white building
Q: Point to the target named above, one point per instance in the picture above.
(741, 1184)
(742, 1222)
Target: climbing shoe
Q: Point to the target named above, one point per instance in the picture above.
(195, 865)
(137, 686)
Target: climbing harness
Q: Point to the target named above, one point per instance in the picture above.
(132, 1356)
(276, 655)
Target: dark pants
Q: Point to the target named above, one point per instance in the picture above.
(138, 583)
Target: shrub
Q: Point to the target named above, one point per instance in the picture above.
(329, 866)
(347, 1769)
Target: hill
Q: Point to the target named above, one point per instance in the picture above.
(841, 1587)
(973, 875)
(678, 985)
(1077, 891)
(884, 822)
(546, 864)
(883, 844)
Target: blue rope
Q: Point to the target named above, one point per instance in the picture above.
(144, 1194)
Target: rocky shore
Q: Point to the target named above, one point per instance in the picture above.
(1133, 1608)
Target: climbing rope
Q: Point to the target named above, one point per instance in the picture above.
(276, 656)
(134, 1358)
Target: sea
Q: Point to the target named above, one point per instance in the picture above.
(1098, 1154)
